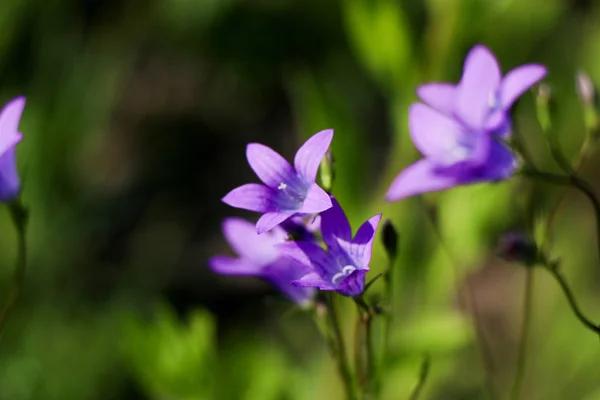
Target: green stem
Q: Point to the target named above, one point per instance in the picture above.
(554, 271)
(422, 379)
(341, 357)
(573, 180)
(522, 357)
(19, 217)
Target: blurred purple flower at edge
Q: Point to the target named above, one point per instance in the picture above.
(260, 257)
(10, 136)
(287, 190)
(460, 129)
(343, 267)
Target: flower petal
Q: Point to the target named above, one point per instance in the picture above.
(478, 86)
(310, 254)
(309, 156)
(282, 272)
(9, 176)
(10, 117)
(441, 96)
(242, 237)
(517, 81)
(316, 201)
(418, 178)
(313, 279)
(362, 244)
(353, 284)
(432, 132)
(251, 196)
(268, 165)
(501, 163)
(270, 220)
(234, 266)
(334, 224)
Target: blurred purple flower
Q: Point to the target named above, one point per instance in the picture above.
(344, 265)
(454, 155)
(260, 257)
(482, 98)
(9, 137)
(287, 190)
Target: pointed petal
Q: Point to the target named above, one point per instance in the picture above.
(519, 80)
(334, 224)
(9, 176)
(478, 86)
(316, 200)
(268, 165)
(353, 284)
(234, 266)
(432, 132)
(418, 178)
(270, 220)
(252, 196)
(362, 244)
(242, 237)
(10, 117)
(313, 279)
(441, 96)
(311, 153)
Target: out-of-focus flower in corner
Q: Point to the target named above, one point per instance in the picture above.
(454, 155)
(10, 136)
(287, 190)
(258, 256)
(483, 97)
(343, 267)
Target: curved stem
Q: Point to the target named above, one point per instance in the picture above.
(573, 180)
(341, 357)
(571, 299)
(19, 217)
(522, 357)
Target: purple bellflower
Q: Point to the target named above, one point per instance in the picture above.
(287, 190)
(343, 267)
(9, 137)
(454, 155)
(260, 257)
(459, 131)
(483, 97)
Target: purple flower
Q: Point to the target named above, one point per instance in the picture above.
(344, 265)
(460, 129)
(287, 190)
(483, 97)
(454, 155)
(9, 137)
(260, 257)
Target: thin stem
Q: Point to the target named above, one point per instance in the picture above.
(578, 183)
(424, 373)
(525, 327)
(554, 271)
(341, 357)
(19, 217)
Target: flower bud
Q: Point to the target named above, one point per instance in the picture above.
(390, 239)
(518, 247)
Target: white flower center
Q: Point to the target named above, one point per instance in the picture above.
(347, 270)
(282, 186)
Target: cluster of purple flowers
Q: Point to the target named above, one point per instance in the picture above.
(459, 129)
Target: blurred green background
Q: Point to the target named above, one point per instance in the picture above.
(137, 117)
